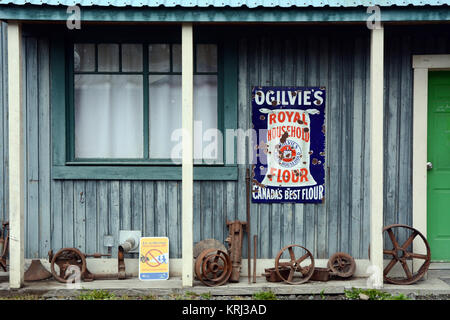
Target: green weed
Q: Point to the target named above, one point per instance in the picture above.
(264, 295)
(97, 295)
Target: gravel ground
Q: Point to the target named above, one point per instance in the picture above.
(191, 296)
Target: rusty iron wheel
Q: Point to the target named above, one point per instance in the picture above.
(64, 258)
(298, 274)
(342, 265)
(213, 267)
(402, 254)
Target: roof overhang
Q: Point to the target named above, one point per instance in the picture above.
(222, 15)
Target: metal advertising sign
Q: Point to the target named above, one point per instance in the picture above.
(154, 258)
(290, 129)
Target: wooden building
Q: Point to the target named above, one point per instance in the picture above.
(71, 176)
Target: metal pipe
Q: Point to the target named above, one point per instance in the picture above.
(127, 245)
(255, 239)
(249, 247)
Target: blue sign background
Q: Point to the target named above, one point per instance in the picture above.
(317, 145)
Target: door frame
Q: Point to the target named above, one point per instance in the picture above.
(421, 65)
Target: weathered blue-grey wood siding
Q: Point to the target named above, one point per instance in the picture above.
(81, 212)
(340, 64)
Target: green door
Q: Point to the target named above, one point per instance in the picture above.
(438, 183)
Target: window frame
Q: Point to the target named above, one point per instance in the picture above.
(64, 164)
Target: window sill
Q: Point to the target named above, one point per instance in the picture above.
(113, 172)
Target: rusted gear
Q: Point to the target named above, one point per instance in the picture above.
(213, 267)
(303, 272)
(342, 265)
(65, 258)
(401, 254)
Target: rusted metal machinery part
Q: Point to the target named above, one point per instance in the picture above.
(255, 252)
(201, 246)
(342, 264)
(320, 274)
(234, 240)
(67, 257)
(121, 273)
(36, 271)
(4, 244)
(272, 276)
(295, 265)
(247, 180)
(401, 254)
(213, 267)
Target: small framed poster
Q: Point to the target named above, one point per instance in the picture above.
(290, 129)
(154, 258)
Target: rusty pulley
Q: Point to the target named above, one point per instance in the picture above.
(213, 267)
(301, 269)
(403, 254)
(68, 261)
(71, 263)
(342, 264)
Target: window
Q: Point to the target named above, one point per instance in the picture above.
(116, 103)
(127, 102)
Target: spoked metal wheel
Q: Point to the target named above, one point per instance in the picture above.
(342, 265)
(403, 253)
(301, 269)
(66, 259)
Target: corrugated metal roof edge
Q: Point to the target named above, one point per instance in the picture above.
(243, 6)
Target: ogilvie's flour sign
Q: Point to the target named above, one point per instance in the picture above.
(290, 125)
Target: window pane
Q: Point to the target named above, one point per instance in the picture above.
(84, 57)
(108, 116)
(108, 57)
(159, 57)
(164, 113)
(205, 111)
(206, 58)
(132, 57)
(176, 58)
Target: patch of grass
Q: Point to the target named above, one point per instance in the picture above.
(401, 296)
(372, 294)
(176, 296)
(97, 295)
(206, 296)
(264, 295)
(191, 295)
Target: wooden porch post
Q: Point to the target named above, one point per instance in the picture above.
(376, 152)
(187, 113)
(16, 157)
